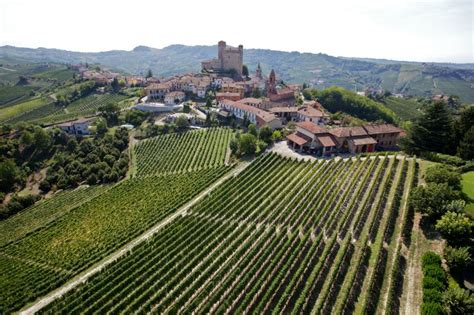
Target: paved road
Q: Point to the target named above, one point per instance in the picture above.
(82, 277)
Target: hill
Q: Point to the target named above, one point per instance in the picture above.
(320, 70)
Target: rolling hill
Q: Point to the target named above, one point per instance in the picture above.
(319, 70)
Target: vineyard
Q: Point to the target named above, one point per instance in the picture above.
(283, 236)
(44, 212)
(43, 258)
(178, 152)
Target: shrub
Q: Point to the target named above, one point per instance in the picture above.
(433, 283)
(443, 174)
(458, 259)
(430, 258)
(456, 228)
(458, 301)
(432, 308)
(432, 295)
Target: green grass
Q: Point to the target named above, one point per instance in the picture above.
(9, 94)
(468, 189)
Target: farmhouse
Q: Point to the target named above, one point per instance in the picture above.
(175, 97)
(78, 127)
(314, 138)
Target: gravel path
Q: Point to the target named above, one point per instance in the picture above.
(85, 275)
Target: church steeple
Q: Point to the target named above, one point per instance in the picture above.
(272, 83)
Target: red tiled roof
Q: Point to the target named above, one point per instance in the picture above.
(383, 128)
(284, 109)
(343, 132)
(363, 140)
(265, 116)
(326, 141)
(311, 127)
(297, 139)
(251, 100)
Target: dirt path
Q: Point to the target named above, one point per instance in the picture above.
(85, 275)
(413, 273)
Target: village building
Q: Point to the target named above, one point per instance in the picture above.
(254, 115)
(220, 96)
(78, 127)
(157, 91)
(278, 92)
(313, 113)
(229, 61)
(286, 113)
(232, 88)
(176, 97)
(314, 138)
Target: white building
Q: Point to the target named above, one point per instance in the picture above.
(173, 98)
(77, 127)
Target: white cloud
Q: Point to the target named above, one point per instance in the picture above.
(435, 30)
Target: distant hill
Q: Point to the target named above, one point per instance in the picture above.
(320, 70)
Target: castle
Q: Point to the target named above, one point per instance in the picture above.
(229, 61)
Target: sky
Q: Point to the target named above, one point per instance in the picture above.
(412, 30)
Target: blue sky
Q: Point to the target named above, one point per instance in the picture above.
(435, 30)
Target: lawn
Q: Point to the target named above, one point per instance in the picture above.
(468, 189)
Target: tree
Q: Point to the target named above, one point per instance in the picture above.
(110, 112)
(115, 85)
(443, 174)
(208, 102)
(256, 93)
(149, 74)
(42, 139)
(245, 71)
(432, 199)
(433, 131)
(9, 175)
(456, 228)
(245, 121)
(234, 146)
(247, 144)
(276, 135)
(466, 146)
(458, 301)
(186, 108)
(265, 134)
(458, 259)
(252, 129)
(101, 128)
(182, 122)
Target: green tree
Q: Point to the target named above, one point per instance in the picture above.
(245, 71)
(432, 199)
(265, 134)
(252, 129)
(466, 146)
(115, 85)
(110, 112)
(458, 301)
(443, 174)
(456, 228)
(234, 146)
(10, 175)
(256, 93)
(247, 144)
(458, 259)
(182, 123)
(42, 139)
(432, 131)
(149, 74)
(276, 135)
(101, 128)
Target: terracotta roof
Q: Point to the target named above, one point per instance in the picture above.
(363, 140)
(310, 111)
(220, 94)
(297, 139)
(311, 127)
(383, 128)
(284, 109)
(343, 132)
(327, 141)
(266, 116)
(251, 100)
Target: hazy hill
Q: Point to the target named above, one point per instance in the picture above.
(320, 70)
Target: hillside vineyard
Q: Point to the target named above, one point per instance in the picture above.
(181, 152)
(283, 236)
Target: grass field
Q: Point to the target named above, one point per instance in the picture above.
(468, 189)
(42, 260)
(283, 236)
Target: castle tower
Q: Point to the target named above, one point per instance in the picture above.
(258, 73)
(220, 53)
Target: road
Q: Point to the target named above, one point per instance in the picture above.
(85, 275)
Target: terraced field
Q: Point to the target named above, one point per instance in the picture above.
(283, 236)
(39, 262)
(178, 152)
